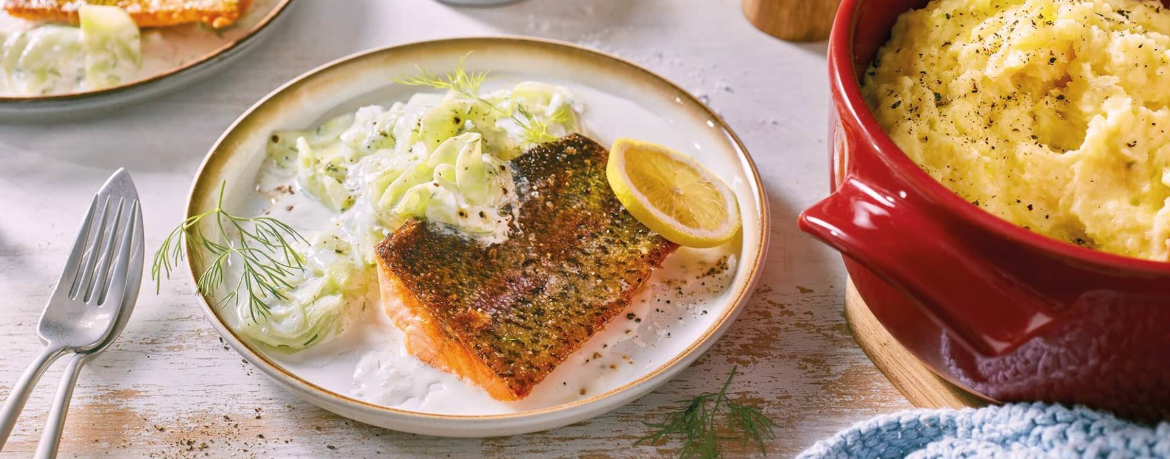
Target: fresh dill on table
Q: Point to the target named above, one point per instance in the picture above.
(467, 84)
(263, 246)
(710, 419)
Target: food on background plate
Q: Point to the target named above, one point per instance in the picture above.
(487, 218)
(104, 51)
(65, 46)
(1049, 114)
(145, 13)
(505, 315)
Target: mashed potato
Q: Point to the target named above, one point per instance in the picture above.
(1051, 114)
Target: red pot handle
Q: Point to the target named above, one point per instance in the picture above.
(980, 303)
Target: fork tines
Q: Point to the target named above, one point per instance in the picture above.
(108, 230)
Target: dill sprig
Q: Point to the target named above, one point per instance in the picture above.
(262, 245)
(467, 85)
(700, 421)
(463, 83)
(536, 130)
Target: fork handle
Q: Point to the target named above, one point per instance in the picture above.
(55, 423)
(23, 388)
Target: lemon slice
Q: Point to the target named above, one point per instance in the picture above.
(672, 194)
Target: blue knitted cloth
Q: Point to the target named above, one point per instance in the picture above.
(1011, 431)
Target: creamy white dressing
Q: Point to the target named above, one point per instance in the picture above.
(334, 281)
(43, 60)
(438, 157)
(391, 378)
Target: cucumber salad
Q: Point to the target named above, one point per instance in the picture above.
(104, 51)
(439, 157)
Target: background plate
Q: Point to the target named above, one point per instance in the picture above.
(173, 57)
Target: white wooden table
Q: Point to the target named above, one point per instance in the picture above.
(170, 388)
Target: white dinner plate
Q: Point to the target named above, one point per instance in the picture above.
(172, 58)
(687, 305)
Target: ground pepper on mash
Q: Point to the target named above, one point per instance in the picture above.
(1051, 114)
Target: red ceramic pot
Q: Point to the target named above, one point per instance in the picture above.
(998, 310)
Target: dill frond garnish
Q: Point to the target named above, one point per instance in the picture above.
(463, 83)
(536, 129)
(262, 245)
(466, 84)
(701, 420)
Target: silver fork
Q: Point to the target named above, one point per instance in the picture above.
(83, 309)
(55, 423)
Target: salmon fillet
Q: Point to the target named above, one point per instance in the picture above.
(504, 316)
(145, 13)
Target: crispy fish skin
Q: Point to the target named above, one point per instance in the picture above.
(145, 13)
(506, 315)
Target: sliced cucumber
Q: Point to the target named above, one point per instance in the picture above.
(14, 44)
(38, 61)
(113, 45)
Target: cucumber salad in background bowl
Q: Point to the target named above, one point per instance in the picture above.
(78, 58)
(290, 213)
(103, 51)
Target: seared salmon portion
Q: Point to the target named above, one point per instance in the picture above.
(145, 13)
(504, 316)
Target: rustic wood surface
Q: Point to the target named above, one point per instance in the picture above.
(170, 388)
(913, 379)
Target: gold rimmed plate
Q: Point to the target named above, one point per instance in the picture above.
(687, 305)
(172, 57)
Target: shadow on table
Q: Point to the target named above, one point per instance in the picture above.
(820, 48)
